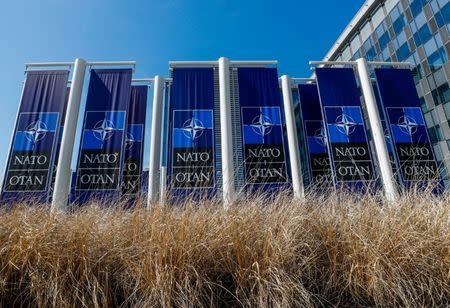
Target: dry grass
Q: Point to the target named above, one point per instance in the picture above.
(338, 251)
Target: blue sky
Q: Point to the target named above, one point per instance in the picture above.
(153, 32)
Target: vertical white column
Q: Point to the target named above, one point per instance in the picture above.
(387, 175)
(63, 172)
(226, 132)
(294, 155)
(155, 141)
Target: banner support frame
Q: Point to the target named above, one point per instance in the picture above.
(228, 189)
(305, 80)
(355, 63)
(155, 140)
(143, 80)
(63, 171)
(379, 140)
(173, 64)
(294, 155)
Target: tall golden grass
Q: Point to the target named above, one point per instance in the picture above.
(340, 250)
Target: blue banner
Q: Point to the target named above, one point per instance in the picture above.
(315, 137)
(73, 181)
(265, 158)
(134, 142)
(407, 126)
(387, 133)
(32, 155)
(191, 159)
(144, 184)
(100, 160)
(352, 165)
(58, 146)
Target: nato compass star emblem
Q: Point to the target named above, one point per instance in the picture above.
(262, 125)
(345, 124)
(407, 125)
(129, 141)
(193, 128)
(320, 137)
(36, 131)
(103, 130)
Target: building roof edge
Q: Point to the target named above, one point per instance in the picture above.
(349, 29)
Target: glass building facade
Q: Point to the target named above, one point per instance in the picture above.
(415, 31)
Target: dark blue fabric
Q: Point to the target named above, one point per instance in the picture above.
(134, 143)
(397, 88)
(73, 180)
(32, 155)
(259, 87)
(337, 87)
(100, 161)
(387, 132)
(263, 128)
(401, 107)
(346, 132)
(315, 137)
(58, 146)
(144, 184)
(191, 134)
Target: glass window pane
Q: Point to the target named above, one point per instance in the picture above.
(428, 119)
(386, 55)
(430, 47)
(447, 110)
(366, 31)
(355, 43)
(346, 54)
(417, 6)
(390, 4)
(377, 17)
(395, 13)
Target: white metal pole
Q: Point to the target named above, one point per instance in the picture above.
(226, 132)
(155, 141)
(387, 175)
(294, 155)
(63, 172)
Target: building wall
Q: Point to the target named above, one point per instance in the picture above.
(415, 31)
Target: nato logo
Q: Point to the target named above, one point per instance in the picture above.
(193, 128)
(103, 128)
(35, 130)
(129, 141)
(134, 135)
(407, 124)
(316, 136)
(262, 125)
(345, 124)
(320, 137)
